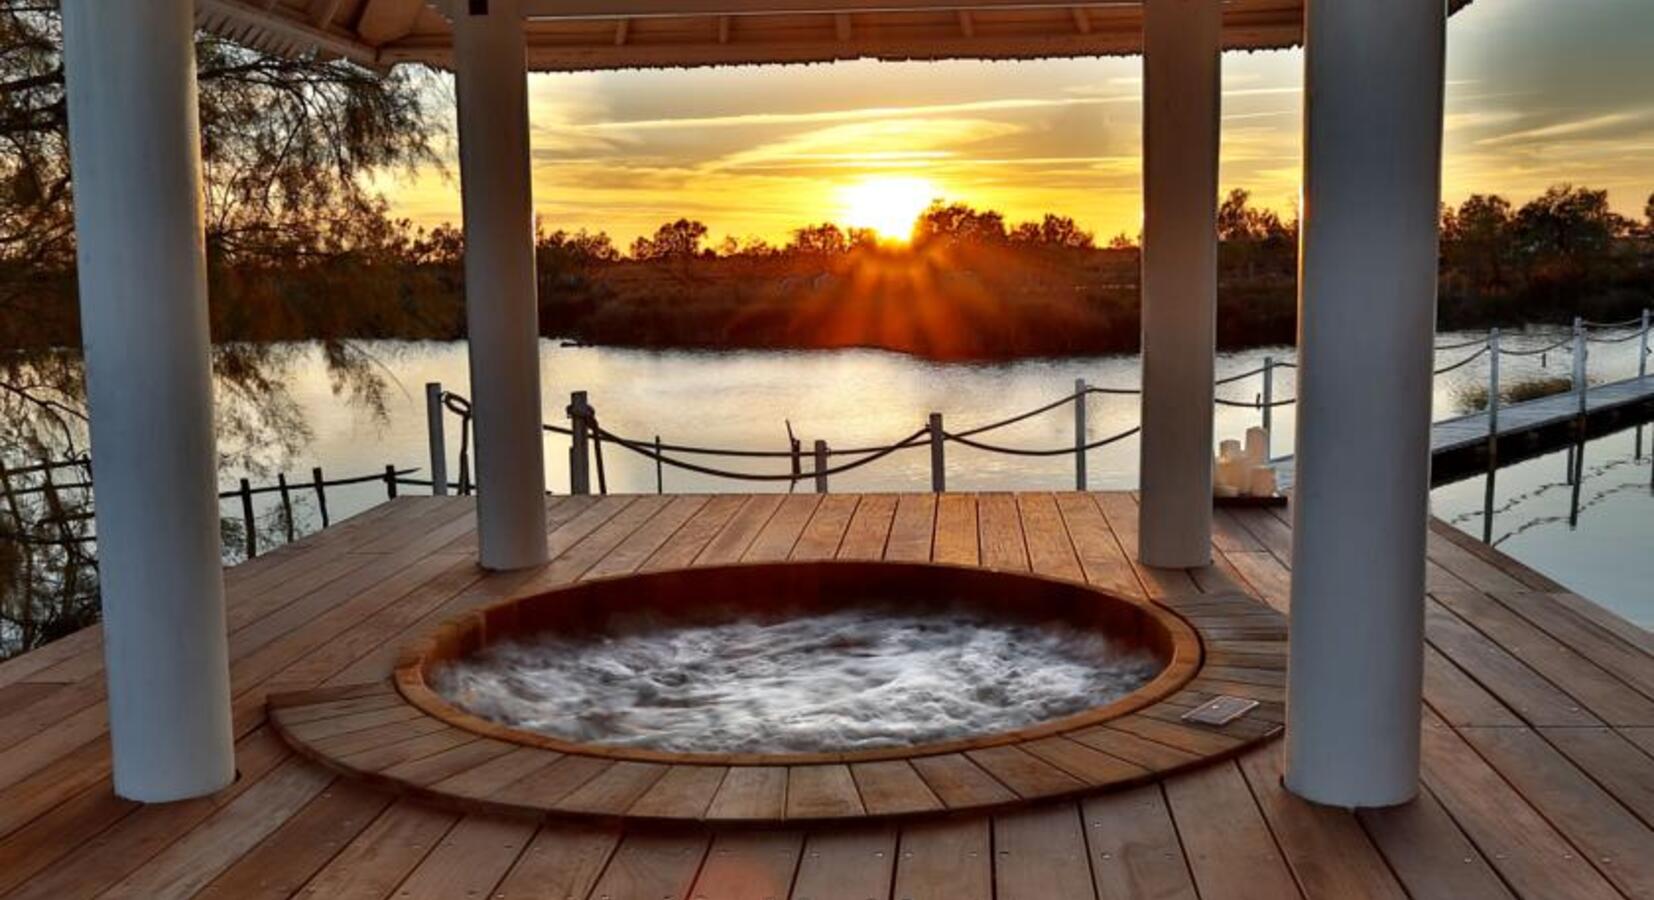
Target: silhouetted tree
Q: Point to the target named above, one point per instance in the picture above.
(959, 223)
(1052, 231)
(674, 240)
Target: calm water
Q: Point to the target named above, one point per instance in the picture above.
(862, 397)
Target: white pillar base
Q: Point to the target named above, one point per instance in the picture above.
(1181, 72)
(502, 314)
(1366, 321)
(135, 148)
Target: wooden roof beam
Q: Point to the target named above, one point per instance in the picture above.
(608, 9)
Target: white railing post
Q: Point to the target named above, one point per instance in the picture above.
(1578, 386)
(580, 477)
(1079, 434)
(821, 466)
(1642, 373)
(1268, 408)
(1493, 386)
(439, 442)
(1642, 345)
(1489, 486)
(938, 458)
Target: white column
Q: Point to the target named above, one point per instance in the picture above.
(135, 148)
(1181, 71)
(491, 83)
(1366, 319)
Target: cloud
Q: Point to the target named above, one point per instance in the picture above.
(1606, 125)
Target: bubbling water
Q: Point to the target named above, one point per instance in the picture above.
(854, 679)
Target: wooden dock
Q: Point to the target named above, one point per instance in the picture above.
(1538, 746)
(1459, 445)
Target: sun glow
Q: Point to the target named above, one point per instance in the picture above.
(889, 206)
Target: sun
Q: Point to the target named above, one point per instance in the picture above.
(889, 206)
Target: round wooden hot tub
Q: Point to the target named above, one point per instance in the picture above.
(403, 735)
(712, 595)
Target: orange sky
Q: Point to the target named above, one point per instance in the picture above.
(1539, 92)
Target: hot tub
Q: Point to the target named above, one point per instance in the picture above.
(798, 662)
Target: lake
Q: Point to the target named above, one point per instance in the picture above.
(867, 397)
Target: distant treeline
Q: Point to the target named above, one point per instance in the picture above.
(967, 285)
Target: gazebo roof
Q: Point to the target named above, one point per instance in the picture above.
(575, 35)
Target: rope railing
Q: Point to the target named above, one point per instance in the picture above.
(664, 454)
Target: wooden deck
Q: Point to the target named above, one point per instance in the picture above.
(1538, 750)
(1528, 429)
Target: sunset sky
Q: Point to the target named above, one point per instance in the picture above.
(1539, 92)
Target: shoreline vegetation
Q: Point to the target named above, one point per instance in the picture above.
(967, 286)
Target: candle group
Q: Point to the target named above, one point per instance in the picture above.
(1244, 471)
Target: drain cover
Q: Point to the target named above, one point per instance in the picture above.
(1220, 710)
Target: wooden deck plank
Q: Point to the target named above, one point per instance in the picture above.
(749, 865)
(750, 792)
(641, 544)
(822, 791)
(1101, 557)
(1582, 679)
(869, 528)
(1511, 835)
(687, 542)
(1631, 664)
(562, 861)
(653, 864)
(913, 529)
(775, 542)
(956, 541)
(470, 859)
(1608, 835)
(1428, 852)
(1613, 762)
(1000, 535)
(1327, 848)
(1535, 699)
(1134, 848)
(957, 781)
(892, 786)
(1120, 511)
(384, 853)
(854, 863)
(229, 833)
(945, 859)
(1050, 550)
(280, 865)
(91, 864)
(1040, 852)
(824, 532)
(1229, 847)
(684, 792)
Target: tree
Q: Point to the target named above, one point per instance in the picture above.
(673, 240)
(825, 239)
(1570, 223)
(959, 223)
(1052, 231)
(1476, 241)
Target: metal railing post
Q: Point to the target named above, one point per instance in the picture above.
(1642, 372)
(938, 455)
(390, 481)
(821, 466)
(580, 478)
(286, 505)
(660, 469)
(247, 518)
(1079, 434)
(439, 441)
(321, 493)
(1492, 435)
(1579, 391)
(1268, 408)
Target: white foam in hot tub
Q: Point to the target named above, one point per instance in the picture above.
(847, 680)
